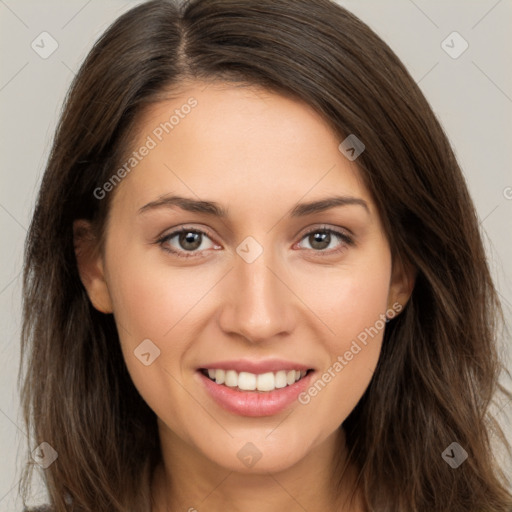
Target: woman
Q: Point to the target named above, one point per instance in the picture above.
(254, 277)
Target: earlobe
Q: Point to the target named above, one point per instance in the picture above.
(90, 266)
(403, 278)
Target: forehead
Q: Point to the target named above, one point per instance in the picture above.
(236, 143)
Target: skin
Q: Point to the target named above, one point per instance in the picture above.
(257, 154)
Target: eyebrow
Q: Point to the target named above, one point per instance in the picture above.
(214, 209)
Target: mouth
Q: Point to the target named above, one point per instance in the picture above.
(254, 389)
(247, 381)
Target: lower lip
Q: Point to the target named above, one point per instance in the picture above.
(255, 403)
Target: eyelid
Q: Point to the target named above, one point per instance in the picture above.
(347, 233)
(184, 227)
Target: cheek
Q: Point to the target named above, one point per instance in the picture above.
(352, 302)
(154, 302)
(350, 297)
(151, 300)
(148, 308)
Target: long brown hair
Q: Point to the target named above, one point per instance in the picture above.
(439, 367)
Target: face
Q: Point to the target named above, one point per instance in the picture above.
(243, 252)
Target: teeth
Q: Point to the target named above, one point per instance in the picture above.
(231, 379)
(265, 382)
(219, 376)
(280, 379)
(246, 381)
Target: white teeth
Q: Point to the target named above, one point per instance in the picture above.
(220, 376)
(280, 379)
(231, 379)
(266, 382)
(246, 381)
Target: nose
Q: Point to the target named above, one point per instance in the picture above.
(257, 303)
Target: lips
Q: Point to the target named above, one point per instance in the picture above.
(254, 388)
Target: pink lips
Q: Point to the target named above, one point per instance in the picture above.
(254, 403)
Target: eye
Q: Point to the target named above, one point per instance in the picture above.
(190, 242)
(324, 238)
(187, 240)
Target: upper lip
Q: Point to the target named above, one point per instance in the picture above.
(256, 367)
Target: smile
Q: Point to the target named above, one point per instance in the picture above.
(246, 381)
(254, 388)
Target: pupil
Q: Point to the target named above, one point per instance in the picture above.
(190, 240)
(319, 240)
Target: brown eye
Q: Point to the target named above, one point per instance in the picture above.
(189, 240)
(185, 242)
(321, 239)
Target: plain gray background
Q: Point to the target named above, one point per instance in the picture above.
(471, 95)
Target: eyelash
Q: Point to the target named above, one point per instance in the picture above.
(346, 239)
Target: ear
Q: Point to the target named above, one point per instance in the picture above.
(403, 277)
(90, 265)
